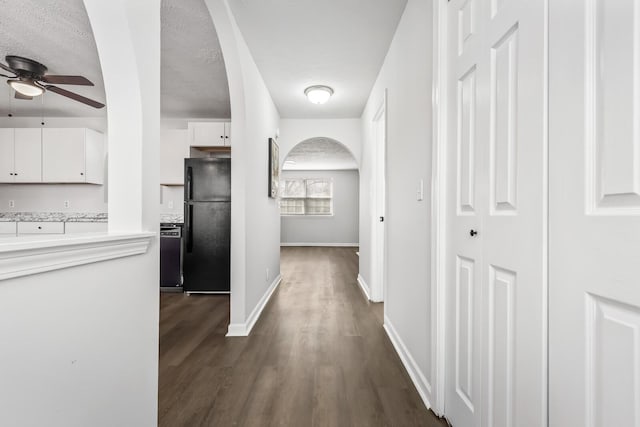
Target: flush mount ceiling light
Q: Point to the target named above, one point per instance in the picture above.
(26, 87)
(318, 94)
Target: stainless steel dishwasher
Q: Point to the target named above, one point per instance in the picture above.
(171, 257)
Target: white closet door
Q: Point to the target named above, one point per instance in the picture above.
(498, 170)
(467, 203)
(594, 288)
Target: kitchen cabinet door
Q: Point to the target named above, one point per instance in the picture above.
(174, 148)
(40, 228)
(206, 134)
(28, 155)
(63, 155)
(85, 227)
(8, 228)
(227, 134)
(94, 149)
(6, 155)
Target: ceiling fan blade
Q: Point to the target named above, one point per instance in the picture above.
(21, 96)
(74, 96)
(7, 68)
(67, 80)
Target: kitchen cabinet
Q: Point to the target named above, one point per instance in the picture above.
(20, 155)
(9, 228)
(209, 134)
(85, 227)
(40, 228)
(174, 148)
(72, 155)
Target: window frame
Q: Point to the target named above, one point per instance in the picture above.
(306, 198)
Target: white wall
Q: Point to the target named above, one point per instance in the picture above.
(406, 74)
(255, 223)
(80, 345)
(51, 197)
(346, 131)
(342, 227)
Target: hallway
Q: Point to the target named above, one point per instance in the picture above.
(317, 356)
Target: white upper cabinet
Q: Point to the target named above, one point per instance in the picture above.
(209, 134)
(20, 155)
(6, 155)
(174, 148)
(72, 155)
(28, 155)
(227, 134)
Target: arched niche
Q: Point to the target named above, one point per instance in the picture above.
(319, 153)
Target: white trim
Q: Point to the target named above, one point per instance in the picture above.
(364, 287)
(244, 329)
(322, 244)
(378, 238)
(439, 205)
(545, 226)
(416, 375)
(24, 256)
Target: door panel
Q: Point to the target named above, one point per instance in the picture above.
(466, 142)
(208, 179)
(6, 155)
(594, 297)
(28, 155)
(498, 166)
(63, 155)
(207, 254)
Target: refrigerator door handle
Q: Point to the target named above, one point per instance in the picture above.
(189, 228)
(189, 183)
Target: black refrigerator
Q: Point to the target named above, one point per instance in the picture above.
(207, 225)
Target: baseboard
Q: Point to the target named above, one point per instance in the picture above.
(322, 244)
(244, 329)
(417, 377)
(364, 287)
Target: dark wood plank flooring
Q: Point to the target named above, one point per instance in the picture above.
(318, 356)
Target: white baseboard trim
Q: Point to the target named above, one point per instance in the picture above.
(364, 287)
(417, 377)
(322, 244)
(244, 329)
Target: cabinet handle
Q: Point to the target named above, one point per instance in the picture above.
(11, 174)
(39, 228)
(226, 137)
(15, 174)
(81, 173)
(221, 136)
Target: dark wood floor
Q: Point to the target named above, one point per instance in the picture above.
(318, 356)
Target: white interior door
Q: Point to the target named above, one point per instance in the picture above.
(594, 287)
(497, 166)
(380, 137)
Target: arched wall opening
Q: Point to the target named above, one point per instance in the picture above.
(319, 197)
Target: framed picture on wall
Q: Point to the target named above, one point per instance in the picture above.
(274, 168)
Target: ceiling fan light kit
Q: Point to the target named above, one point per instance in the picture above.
(31, 79)
(26, 87)
(318, 94)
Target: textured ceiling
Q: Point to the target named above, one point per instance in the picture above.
(319, 154)
(298, 43)
(193, 77)
(56, 33)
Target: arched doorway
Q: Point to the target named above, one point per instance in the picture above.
(319, 197)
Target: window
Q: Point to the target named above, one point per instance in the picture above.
(306, 196)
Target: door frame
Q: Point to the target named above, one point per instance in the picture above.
(439, 187)
(379, 252)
